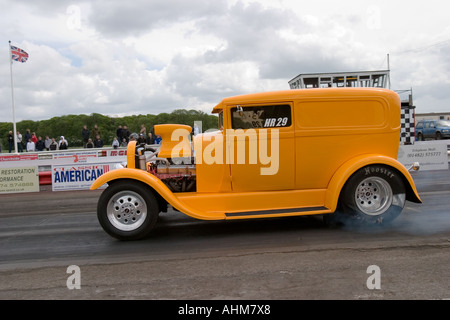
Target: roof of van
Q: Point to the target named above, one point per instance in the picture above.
(288, 95)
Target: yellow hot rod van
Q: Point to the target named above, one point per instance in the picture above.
(328, 151)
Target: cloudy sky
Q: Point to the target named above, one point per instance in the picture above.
(120, 57)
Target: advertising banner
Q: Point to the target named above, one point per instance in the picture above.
(78, 176)
(19, 157)
(19, 179)
(76, 157)
(431, 155)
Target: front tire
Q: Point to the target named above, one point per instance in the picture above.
(373, 195)
(127, 210)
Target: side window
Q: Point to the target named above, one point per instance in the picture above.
(427, 125)
(419, 125)
(221, 120)
(432, 125)
(272, 116)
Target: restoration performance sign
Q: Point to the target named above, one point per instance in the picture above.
(19, 179)
(79, 176)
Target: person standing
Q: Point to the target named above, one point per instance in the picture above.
(27, 136)
(31, 147)
(89, 144)
(47, 142)
(40, 144)
(196, 129)
(126, 133)
(53, 145)
(96, 131)
(62, 145)
(85, 135)
(150, 139)
(119, 133)
(115, 143)
(10, 141)
(143, 130)
(98, 143)
(19, 142)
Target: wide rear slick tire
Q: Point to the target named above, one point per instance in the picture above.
(127, 210)
(373, 195)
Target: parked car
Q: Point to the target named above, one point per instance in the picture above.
(329, 152)
(433, 129)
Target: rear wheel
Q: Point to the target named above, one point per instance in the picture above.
(373, 195)
(127, 210)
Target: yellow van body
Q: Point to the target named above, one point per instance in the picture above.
(283, 153)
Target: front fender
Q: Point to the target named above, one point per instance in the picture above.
(157, 185)
(347, 169)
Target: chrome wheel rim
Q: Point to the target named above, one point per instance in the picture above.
(127, 210)
(373, 196)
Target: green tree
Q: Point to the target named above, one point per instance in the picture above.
(70, 126)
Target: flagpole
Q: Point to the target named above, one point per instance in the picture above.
(12, 97)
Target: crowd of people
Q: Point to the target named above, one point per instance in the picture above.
(30, 142)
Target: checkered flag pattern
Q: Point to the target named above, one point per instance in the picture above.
(407, 131)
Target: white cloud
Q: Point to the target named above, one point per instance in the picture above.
(118, 57)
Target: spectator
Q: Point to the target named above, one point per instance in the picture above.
(96, 132)
(31, 147)
(53, 145)
(124, 142)
(119, 133)
(126, 133)
(40, 144)
(196, 129)
(27, 136)
(62, 145)
(150, 139)
(47, 142)
(158, 139)
(152, 131)
(115, 143)
(10, 141)
(98, 142)
(143, 130)
(85, 135)
(34, 138)
(141, 139)
(89, 144)
(19, 142)
(133, 137)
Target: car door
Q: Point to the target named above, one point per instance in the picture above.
(260, 147)
(427, 129)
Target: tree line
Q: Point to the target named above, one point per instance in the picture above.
(70, 126)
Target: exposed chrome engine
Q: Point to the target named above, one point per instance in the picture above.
(177, 174)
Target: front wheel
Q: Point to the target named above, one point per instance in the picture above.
(373, 195)
(127, 210)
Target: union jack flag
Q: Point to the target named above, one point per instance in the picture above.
(18, 54)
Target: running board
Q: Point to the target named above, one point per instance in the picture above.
(275, 211)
